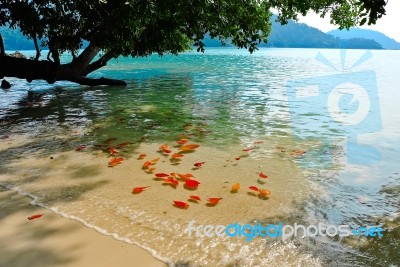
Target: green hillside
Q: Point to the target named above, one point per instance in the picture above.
(385, 41)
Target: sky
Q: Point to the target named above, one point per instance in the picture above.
(386, 24)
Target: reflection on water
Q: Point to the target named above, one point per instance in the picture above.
(225, 100)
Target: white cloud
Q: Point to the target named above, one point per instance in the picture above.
(386, 24)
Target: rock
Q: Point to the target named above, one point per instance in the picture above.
(5, 84)
(17, 54)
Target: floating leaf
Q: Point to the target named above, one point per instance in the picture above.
(235, 187)
(138, 190)
(254, 188)
(264, 192)
(141, 156)
(197, 198)
(162, 175)
(189, 147)
(36, 216)
(214, 200)
(181, 204)
(192, 183)
(198, 164)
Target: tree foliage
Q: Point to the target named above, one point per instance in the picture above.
(142, 27)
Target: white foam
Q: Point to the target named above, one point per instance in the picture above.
(55, 210)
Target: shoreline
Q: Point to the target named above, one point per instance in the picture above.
(54, 240)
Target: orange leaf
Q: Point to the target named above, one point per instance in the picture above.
(146, 164)
(161, 175)
(254, 188)
(154, 160)
(195, 198)
(198, 164)
(192, 183)
(177, 155)
(150, 170)
(214, 200)
(171, 180)
(114, 161)
(182, 141)
(36, 216)
(141, 156)
(185, 176)
(189, 147)
(235, 187)
(264, 192)
(181, 204)
(138, 190)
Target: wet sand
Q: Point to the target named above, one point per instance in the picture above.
(79, 185)
(56, 241)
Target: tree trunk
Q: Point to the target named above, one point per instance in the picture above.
(2, 49)
(51, 72)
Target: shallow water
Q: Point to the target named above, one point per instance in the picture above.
(225, 100)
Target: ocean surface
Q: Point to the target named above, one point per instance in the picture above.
(322, 124)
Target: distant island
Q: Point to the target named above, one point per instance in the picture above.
(291, 35)
(385, 41)
(300, 35)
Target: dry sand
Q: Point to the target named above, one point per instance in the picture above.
(56, 241)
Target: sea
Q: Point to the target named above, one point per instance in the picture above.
(321, 124)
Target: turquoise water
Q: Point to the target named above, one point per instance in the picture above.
(226, 98)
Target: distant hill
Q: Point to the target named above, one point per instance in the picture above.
(382, 39)
(300, 35)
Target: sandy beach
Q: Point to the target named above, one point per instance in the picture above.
(56, 241)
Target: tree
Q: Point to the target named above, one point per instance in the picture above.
(138, 28)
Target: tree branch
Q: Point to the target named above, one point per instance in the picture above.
(101, 62)
(44, 70)
(84, 59)
(37, 48)
(48, 56)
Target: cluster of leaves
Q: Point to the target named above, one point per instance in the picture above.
(344, 13)
(141, 27)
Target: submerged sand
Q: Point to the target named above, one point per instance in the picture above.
(80, 186)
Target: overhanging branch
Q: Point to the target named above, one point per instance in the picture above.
(84, 59)
(101, 62)
(36, 47)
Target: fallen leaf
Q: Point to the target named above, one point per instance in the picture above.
(141, 156)
(197, 198)
(254, 188)
(138, 190)
(235, 187)
(36, 216)
(189, 147)
(181, 204)
(214, 200)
